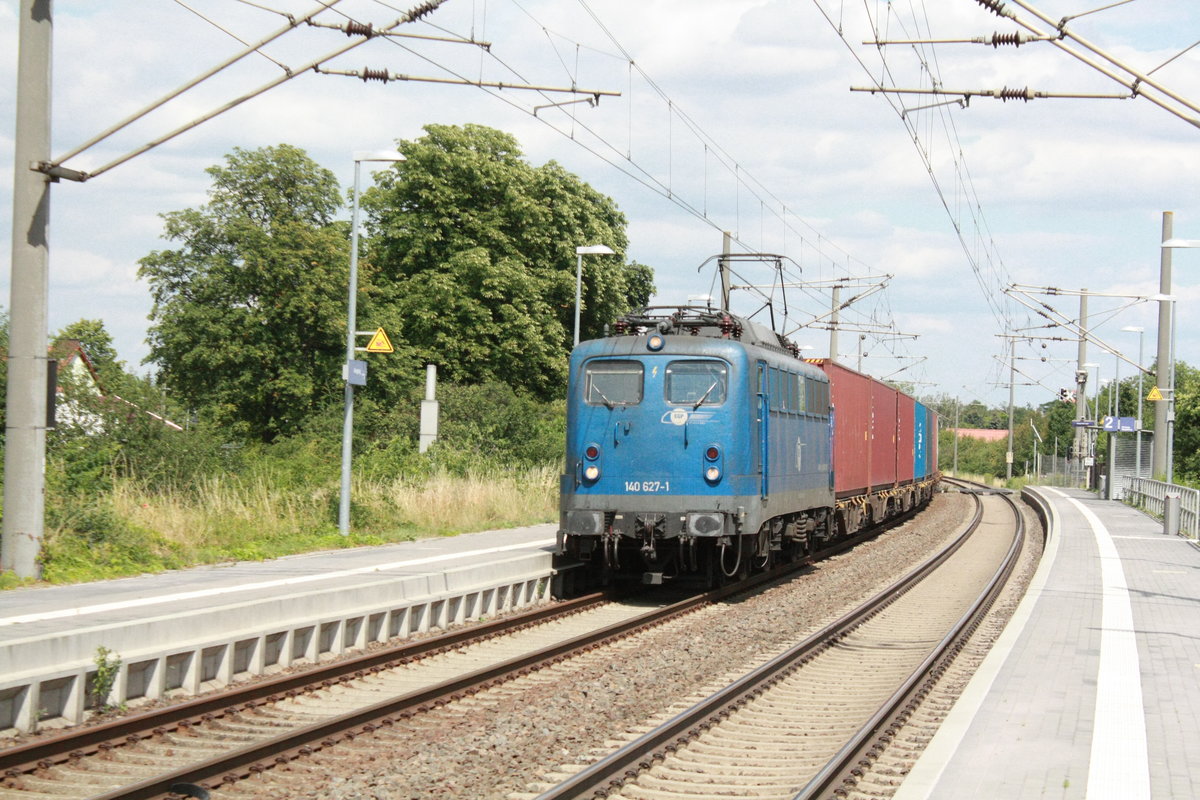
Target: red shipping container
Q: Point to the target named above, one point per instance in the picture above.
(850, 395)
(906, 437)
(874, 432)
(883, 435)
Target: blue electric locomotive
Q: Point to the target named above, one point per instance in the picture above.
(697, 443)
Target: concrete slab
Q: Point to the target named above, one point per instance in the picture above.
(180, 631)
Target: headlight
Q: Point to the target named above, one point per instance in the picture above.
(712, 474)
(654, 342)
(591, 472)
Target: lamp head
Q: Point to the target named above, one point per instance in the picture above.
(378, 155)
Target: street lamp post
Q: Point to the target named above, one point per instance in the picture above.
(1140, 331)
(1116, 393)
(1094, 406)
(387, 156)
(598, 249)
(1170, 244)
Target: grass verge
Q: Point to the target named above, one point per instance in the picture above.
(132, 530)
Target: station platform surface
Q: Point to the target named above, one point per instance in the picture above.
(175, 631)
(1093, 690)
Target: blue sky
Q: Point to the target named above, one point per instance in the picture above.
(734, 115)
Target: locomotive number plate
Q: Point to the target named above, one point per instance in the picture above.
(647, 486)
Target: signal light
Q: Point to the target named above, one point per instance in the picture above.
(591, 453)
(712, 466)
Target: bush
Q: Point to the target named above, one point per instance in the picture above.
(128, 494)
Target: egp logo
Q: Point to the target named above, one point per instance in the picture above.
(678, 416)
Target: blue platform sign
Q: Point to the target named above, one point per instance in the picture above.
(1120, 424)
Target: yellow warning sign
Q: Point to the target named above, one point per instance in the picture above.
(1155, 395)
(379, 343)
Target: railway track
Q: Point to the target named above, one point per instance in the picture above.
(219, 739)
(812, 720)
(232, 734)
(216, 742)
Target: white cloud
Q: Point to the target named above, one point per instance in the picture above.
(1070, 191)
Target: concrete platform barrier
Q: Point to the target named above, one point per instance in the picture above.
(51, 678)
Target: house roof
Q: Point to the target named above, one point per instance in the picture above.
(987, 434)
(72, 356)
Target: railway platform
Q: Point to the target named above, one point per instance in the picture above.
(1093, 690)
(180, 633)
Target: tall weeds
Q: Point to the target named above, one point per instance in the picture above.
(227, 517)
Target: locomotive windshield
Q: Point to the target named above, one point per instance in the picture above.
(696, 382)
(613, 383)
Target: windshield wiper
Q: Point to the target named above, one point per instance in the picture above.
(704, 396)
(607, 402)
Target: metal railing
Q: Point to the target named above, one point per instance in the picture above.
(1150, 496)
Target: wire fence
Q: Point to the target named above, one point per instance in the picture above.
(1058, 471)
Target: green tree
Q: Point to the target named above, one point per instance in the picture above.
(248, 322)
(473, 256)
(1059, 416)
(1186, 447)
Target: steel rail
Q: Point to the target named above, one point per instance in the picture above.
(45, 753)
(608, 774)
(238, 764)
(844, 769)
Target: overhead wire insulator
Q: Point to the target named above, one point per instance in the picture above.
(354, 28)
(995, 6)
(423, 10)
(1007, 94)
(369, 74)
(1015, 39)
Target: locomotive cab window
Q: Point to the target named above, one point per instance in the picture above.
(697, 382)
(613, 383)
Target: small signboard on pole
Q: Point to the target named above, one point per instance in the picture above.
(355, 373)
